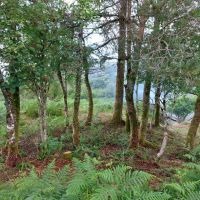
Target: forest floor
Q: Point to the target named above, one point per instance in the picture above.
(108, 144)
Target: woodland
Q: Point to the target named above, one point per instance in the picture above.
(99, 99)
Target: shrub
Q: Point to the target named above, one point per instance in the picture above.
(30, 127)
(56, 123)
(30, 108)
(55, 108)
(187, 185)
(49, 147)
(194, 155)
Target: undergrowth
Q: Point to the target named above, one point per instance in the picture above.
(87, 180)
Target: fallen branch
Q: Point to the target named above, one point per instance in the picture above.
(165, 139)
(163, 146)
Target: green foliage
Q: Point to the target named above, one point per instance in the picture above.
(182, 107)
(50, 185)
(23, 166)
(30, 108)
(187, 186)
(117, 183)
(55, 124)
(29, 127)
(194, 155)
(55, 108)
(86, 183)
(49, 147)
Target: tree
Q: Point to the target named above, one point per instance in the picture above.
(118, 106)
(194, 125)
(145, 111)
(10, 79)
(132, 70)
(157, 104)
(89, 89)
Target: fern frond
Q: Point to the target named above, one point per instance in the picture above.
(154, 196)
(105, 193)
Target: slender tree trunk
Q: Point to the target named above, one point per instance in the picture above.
(41, 91)
(76, 125)
(63, 85)
(90, 98)
(118, 106)
(11, 122)
(157, 105)
(42, 101)
(145, 111)
(16, 105)
(127, 123)
(194, 125)
(137, 97)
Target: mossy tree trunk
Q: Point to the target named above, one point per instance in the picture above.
(16, 104)
(137, 97)
(75, 122)
(127, 123)
(12, 104)
(90, 98)
(63, 85)
(76, 125)
(194, 125)
(42, 110)
(132, 70)
(157, 105)
(145, 109)
(118, 106)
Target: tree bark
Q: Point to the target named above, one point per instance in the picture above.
(16, 104)
(194, 125)
(12, 119)
(76, 125)
(145, 111)
(42, 101)
(137, 97)
(132, 70)
(118, 106)
(127, 123)
(90, 98)
(157, 105)
(63, 85)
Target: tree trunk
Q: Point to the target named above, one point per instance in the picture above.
(12, 120)
(145, 111)
(127, 123)
(131, 78)
(42, 101)
(137, 97)
(16, 105)
(134, 127)
(90, 98)
(63, 85)
(132, 70)
(157, 105)
(118, 106)
(194, 125)
(76, 125)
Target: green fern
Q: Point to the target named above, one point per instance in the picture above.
(50, 185)
(119, 183)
